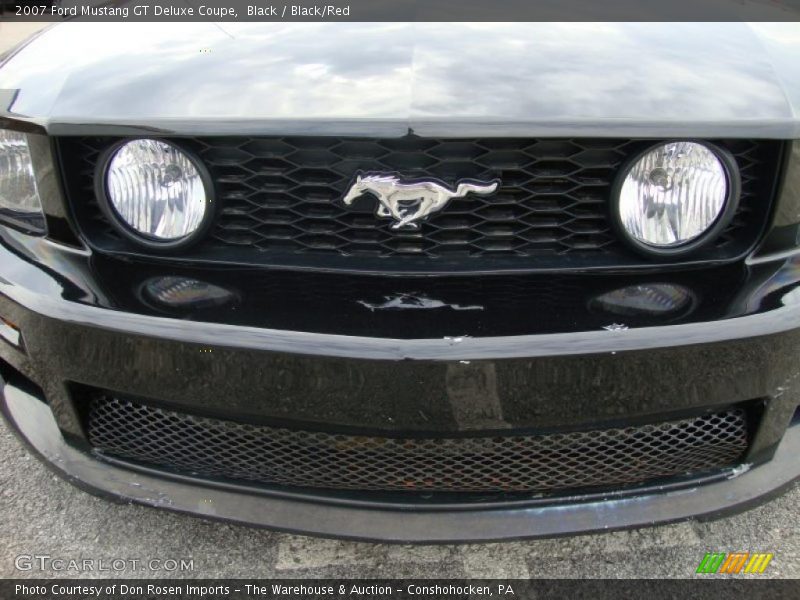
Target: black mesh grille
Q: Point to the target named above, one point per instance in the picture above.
(503, 462)
(281, 197)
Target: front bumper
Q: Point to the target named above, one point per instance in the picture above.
(79, 329)
(735, 489)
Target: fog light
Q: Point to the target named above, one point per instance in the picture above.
(675, 196)
(651, 299)
(181, 292)
(156, 193)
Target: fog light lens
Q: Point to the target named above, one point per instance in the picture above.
(673, 194)
(157, 190)
(182, 292)
(651, 299)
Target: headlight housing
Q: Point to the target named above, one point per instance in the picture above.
(20, 204)
(675, 197)
(155, 193)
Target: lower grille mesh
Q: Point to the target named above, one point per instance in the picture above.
(500, 463)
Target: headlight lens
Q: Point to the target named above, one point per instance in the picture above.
(673, 194)
(19, 196)
(156, 190)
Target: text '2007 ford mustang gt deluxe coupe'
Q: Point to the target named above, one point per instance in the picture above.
(502, 280)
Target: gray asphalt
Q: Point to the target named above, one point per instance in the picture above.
(40, 514)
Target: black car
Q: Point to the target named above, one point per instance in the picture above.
(495, 281)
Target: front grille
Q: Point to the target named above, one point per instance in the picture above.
(280, 201)
(502, 462)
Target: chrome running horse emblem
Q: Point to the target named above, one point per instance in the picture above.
(410, 201)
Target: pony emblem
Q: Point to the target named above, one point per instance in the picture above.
(408, 202)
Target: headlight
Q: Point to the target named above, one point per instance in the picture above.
(675, 196)
(156, 193)
(19, 196)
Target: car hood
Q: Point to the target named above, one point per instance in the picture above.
(699, 79)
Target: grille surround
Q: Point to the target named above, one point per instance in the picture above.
(503, 462)
(279, 202)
